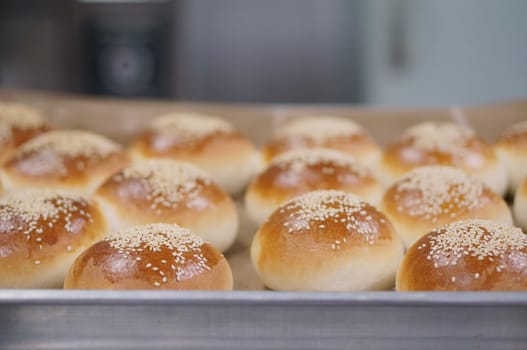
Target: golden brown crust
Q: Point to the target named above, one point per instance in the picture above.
(168, 263)
(18, 124)
(152, 144)
(311, 237)
(314, 169)
(442, 144)
(404, 156)
(323, 131)
(41, 231)
(511, 148)
(208, 142)
(301, 171)
(360, 146)
(522, 190)
(163, 190)
(514, 137)
(432, 196)
(47, 161)
(472, 255)
(134, 200)
(520, 205)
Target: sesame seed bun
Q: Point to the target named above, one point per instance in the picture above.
(18, 124)
(327, 241)
(300, 171)
(327, 132)
(208, 142)
(41, 233)
(432, 196)
(520, 205)
(511, 149)
(449, 144)
(158, 256)
(69, 160)
(471, 255)
(165, 190)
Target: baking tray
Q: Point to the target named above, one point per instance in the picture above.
(252, 317)
(44, 319)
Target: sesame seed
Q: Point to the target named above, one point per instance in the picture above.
(189, 127)
(515, 130)
(19, 116)
(298, 160)
(438, 186)
(184, 246)
(481, 239)
(36, 210)
(309, 210)
(67, 144)
(167, 182)
(319, 128)
(447, 138)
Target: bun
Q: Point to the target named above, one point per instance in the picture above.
(164, 190)
(208, 142)
(471, 255)
(326, 241)
(327, 132)
(159, 256)
(432, 196)
(511, 149)
(18, 124)
(73, 161)
(520, 205)
(41, 233)
(305, 170)
(442, 144)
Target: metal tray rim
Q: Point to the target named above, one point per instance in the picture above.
(83, 297)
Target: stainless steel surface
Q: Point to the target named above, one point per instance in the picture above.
(55, 319)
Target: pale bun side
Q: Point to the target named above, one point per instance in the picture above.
(520, 206)
(511, 149)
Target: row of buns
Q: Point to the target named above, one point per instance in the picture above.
(136, 188)
(214, 145)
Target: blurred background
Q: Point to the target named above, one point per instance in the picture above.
(383, 52)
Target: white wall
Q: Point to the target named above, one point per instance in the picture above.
(458, 51)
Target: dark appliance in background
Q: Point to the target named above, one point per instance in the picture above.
(229, 51)
(126, 47)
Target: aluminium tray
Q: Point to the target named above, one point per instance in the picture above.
(54, 319)
(58, 319)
